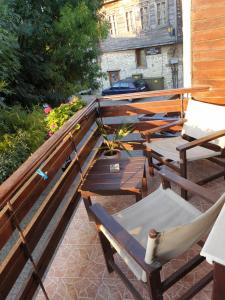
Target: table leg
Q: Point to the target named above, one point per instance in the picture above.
(88, 203)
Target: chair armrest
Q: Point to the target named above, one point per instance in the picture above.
(164, 127)
(126, 241)
(201, 141)
(186, 184)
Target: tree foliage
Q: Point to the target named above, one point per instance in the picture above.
(54, 47)
(9, 55)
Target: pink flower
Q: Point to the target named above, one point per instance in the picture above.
(47, 110)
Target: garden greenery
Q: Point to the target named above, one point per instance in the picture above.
(59, 115)
(21, 133)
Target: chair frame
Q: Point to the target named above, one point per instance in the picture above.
(156, 287)
(191, 143)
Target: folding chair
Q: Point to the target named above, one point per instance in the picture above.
(155, 230)
(202, 136)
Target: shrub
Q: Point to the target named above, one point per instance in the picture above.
(13, 152)
(59, 115)
(21, 133)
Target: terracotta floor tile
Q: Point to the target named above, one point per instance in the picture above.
(70, 261)
(71, 288)
(81, 232)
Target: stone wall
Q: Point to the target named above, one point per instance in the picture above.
(152, 35)
(157, 65)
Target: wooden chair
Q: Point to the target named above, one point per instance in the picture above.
(202, 136)
(155, 230)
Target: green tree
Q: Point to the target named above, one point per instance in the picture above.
(58, 46)
(9, 54)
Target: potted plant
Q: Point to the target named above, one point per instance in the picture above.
(112, 143)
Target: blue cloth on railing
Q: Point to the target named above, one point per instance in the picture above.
(42, 174)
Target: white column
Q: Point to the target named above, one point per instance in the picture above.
(187, 59)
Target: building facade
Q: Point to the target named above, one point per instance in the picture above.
(145, 41)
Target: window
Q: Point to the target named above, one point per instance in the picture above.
(129, 21)
(112, 23)
(144, 18)
(141, 58)
(161, 14)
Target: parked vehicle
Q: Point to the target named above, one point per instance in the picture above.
(126, 86)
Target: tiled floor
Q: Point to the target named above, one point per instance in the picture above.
(78, 270)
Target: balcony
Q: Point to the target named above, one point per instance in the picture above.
(47, 243)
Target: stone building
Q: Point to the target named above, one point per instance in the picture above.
(145, 41)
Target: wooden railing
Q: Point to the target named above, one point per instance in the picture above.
(30, 204)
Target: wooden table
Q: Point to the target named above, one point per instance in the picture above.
(214, 251)
(130, 180)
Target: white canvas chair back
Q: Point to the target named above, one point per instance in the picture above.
(203, 119)
(175, 241)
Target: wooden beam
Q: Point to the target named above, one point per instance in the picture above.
(142, 108)
(143, 126)
(158, 93)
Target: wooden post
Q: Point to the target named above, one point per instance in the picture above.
(219, 282)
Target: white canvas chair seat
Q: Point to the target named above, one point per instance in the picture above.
(179, 223)
(204, 119)
(167, 148)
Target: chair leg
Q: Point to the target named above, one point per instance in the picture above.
(150, 164)
(154, 286)
(183, 172)
(87, 204)
(107, 251)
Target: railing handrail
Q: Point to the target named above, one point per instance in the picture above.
(157, 93)
(12, 184)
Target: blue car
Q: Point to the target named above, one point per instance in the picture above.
(126, 86)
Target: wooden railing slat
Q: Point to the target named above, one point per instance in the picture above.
(142, 108)
(142, 126)
(157, 93)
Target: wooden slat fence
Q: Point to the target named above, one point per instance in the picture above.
(15, 209)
